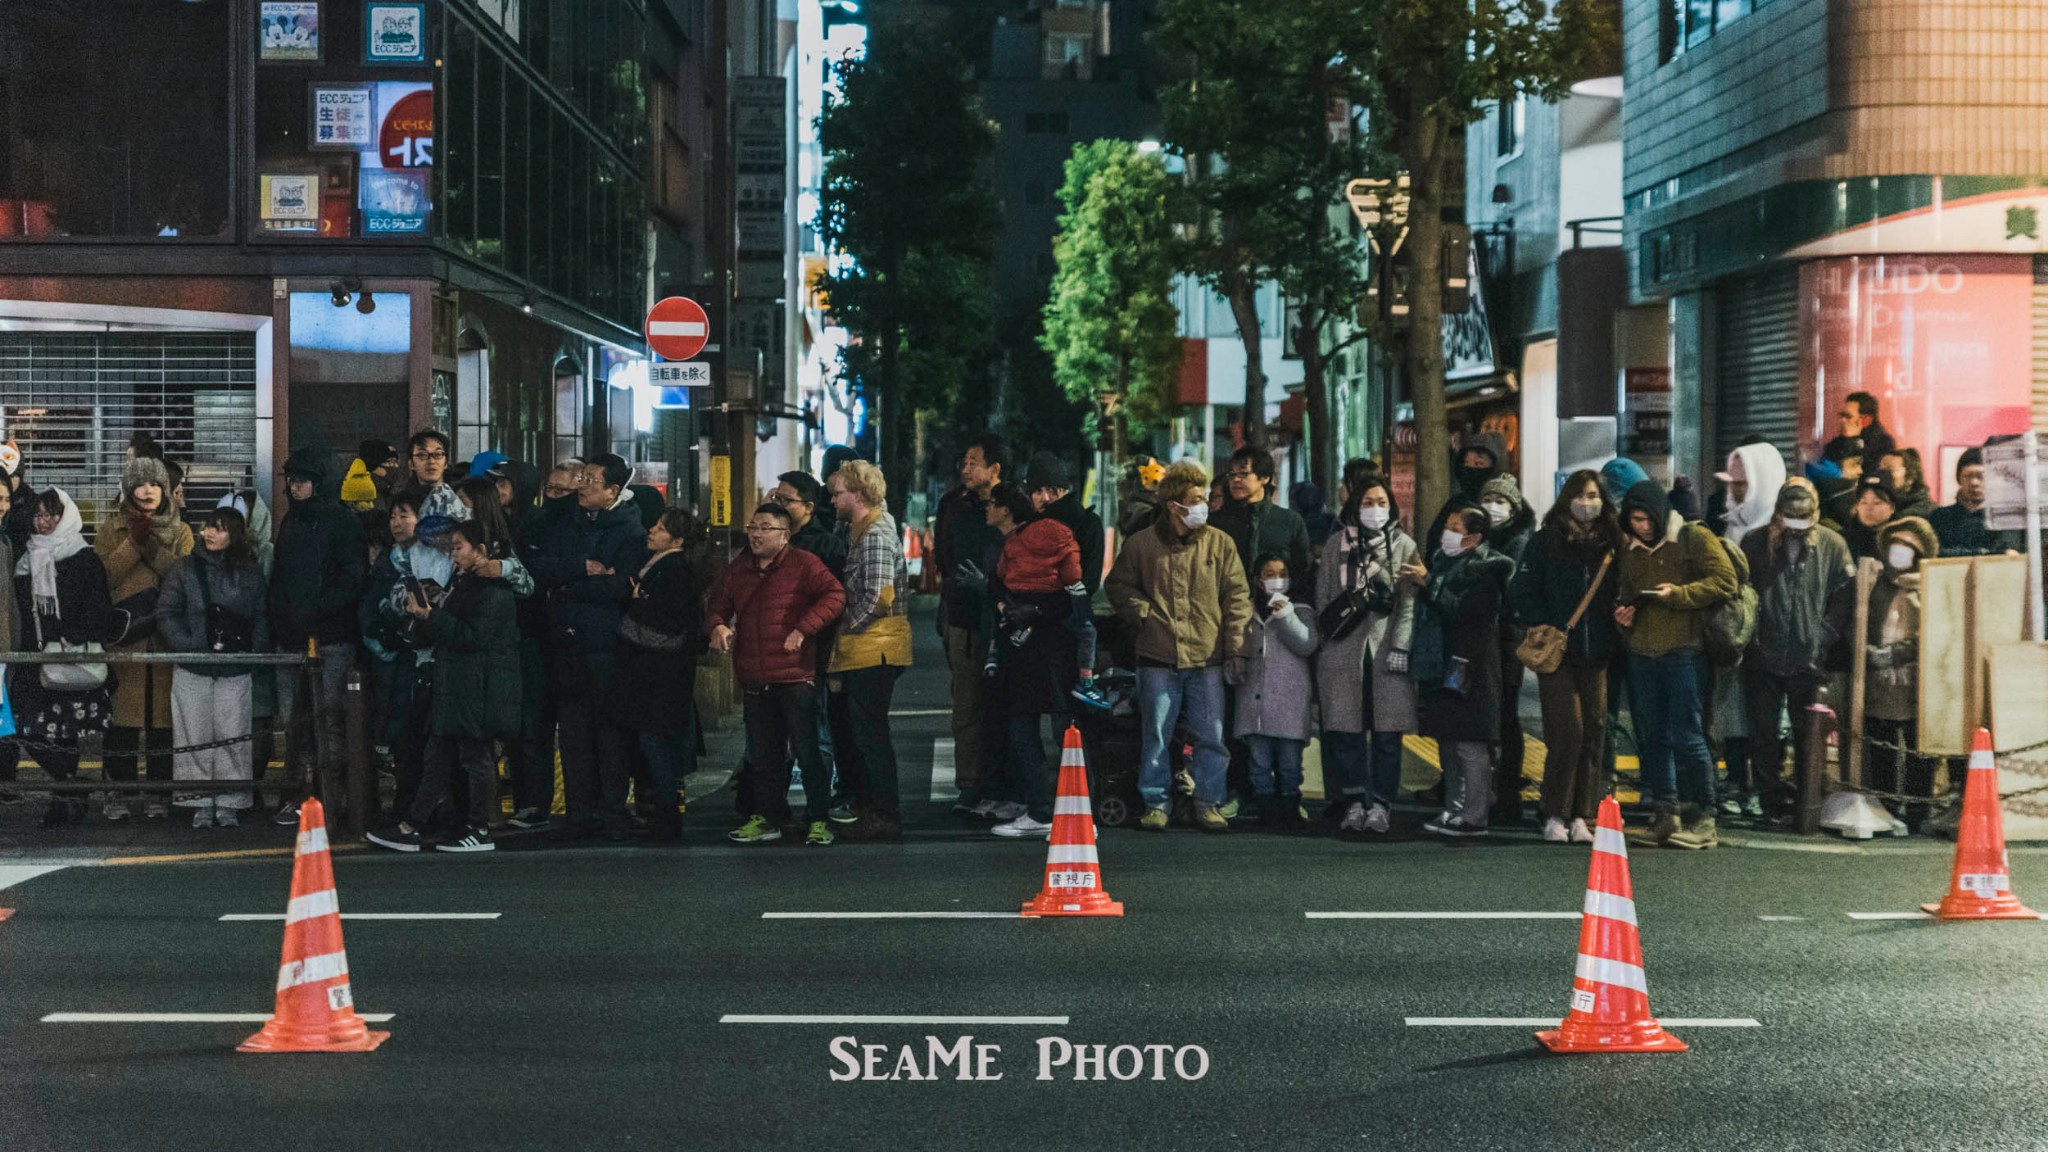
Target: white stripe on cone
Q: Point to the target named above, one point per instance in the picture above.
(1072, 806)
(1609, 905)
(313, 841)
(1610, 841)
(311, 905)
(1600, 970)
(312, 969)
(1071, 854)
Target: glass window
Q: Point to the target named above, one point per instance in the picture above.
(1699, 21)
(458, 143)
(517, 166)
(490, 158)
(115, 118)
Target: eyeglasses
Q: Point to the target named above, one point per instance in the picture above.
(765, 528)
(1240, 473)
(430, 457)
(787, 501)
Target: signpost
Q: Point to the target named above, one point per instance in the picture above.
(2013, 500)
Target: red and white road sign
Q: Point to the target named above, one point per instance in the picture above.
(677, 328)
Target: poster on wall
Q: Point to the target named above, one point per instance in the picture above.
(405, 126)
(1944, 342)
(394, 33)
(289, 201)
(394, 201)
(288, 31)
(343, 118)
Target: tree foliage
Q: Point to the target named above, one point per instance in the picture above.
(1110, 318)
(908, 203)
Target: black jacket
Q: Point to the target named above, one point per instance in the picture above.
(1548, 585)
(1087, 529)
(1962, 533)
(1265, 527)
(657, 671)
(583, 610)
(960, 533)
(1457, 618)
(819, 540)
(181, 607)
(318, 569)
(476, 660)
(85, 605)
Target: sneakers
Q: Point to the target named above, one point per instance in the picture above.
(529, 819)
(1006, 811)
(1154, 820)
(155, 808)
(1022, 827)
(1451, 826)
(1210, 818)
(1231, 807)
(1554, 832)
(1580, 834)
(115, 810)
(472, 840)
(1753, 807)
(1354, 818)
(843, 814)
(874, 826)
(820, 835)
(1696, 835)
(202, 817)
(1090, 697)
(983, 811)
(226, 818)
(967, 802)
(1731, 805)
(287, 813)
(400, 837)
(1378, 820)
(757, 830)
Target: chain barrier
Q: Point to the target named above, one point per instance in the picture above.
(2016, 800)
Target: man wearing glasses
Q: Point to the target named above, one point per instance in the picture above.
(428, 451)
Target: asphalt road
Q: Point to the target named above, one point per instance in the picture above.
(591, 1014)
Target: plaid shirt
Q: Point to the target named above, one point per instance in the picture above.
(874, 565)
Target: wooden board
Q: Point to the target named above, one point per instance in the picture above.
(1968, 605)
(2019, 694)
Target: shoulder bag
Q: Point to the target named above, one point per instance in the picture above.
(1542, 648)
(226, 630)
(1342, 616)
(69, 677)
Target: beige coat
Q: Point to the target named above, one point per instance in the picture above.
(1185, 598)
(142, 693)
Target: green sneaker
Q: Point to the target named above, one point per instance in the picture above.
(757, 830)
(1154, 820)
(821, 834)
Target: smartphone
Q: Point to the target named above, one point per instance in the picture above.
(414, 590)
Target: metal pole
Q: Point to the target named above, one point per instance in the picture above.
(1813, 765)
(2034, 622)
(362, 782)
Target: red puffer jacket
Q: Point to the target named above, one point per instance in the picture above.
(762, 606)
(1040, 557)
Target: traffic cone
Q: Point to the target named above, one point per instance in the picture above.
(315, 1009)
(1980, 884)
(1610, 1000)
(1073, 875)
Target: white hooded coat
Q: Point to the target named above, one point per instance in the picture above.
(1764, 469)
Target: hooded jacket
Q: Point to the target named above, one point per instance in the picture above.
(1458, 619)
(1687, 557)
(1796, 575)
(319, 558)
(1467, 483)
(1763, 469)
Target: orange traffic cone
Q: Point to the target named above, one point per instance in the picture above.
(1610, 1000)
(315, 1009)
(1073, 875)
(1980, 885)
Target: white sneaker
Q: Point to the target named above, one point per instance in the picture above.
(202, 817)
(115, 810)
(1006, 811)
(227, 818)
(1553, 831)
(156, 809)
(1378, 821)
(1021, 827)
(1581, 834)
(1354, 819)
(984, 810)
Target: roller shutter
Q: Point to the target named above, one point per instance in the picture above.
(1757, 351)
(2040, 342)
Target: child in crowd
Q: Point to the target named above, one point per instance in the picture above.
(1039, 558)
(1275, 695)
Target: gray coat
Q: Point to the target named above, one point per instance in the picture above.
(1340, 666)
(181, 609)
(1277, 695)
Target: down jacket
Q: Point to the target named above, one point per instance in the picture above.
(181, 608)
(763, 604)
(1184, 596)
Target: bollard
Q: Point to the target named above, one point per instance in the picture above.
(1813, 765)
(362, 780)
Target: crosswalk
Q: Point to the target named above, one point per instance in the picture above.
(945, 788)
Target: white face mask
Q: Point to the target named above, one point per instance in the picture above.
(1900, 556)
(1497, 512)
(1586, 511)
(1453, 542)
(1373, 519)
(1196, 515)
(1797, 525)
(1276, 587)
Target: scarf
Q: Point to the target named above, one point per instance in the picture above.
(43, 552)
(657, 558)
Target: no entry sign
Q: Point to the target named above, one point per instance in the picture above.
(677, 328)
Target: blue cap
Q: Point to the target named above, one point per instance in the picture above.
(484, 462)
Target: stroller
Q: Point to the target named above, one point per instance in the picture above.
(1114, 745)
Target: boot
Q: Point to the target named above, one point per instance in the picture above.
(873, 826)
(1662, 827)
(1698, 832)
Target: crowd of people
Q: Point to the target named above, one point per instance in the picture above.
(498, 612)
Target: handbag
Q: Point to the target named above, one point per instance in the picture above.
(226, 630)
(70, 677)
(1542, 649)
(1342, 616)
(136, 616)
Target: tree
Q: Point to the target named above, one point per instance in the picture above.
(1435, 65)
(907, 202)
(1262, 111)
(1110, 319)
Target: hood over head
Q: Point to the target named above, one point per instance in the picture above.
(1763, 469)
(1649, 496)
(315, 464)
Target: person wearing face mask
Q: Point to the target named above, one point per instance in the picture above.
(1482, 457)
(1510, 523)
(1571, 554)
(1456, 664)
(1671, 574)
(1890, 649)
(1368, 701)
(1276, 694)
(1753, 475)
(1797, 565)
(1179, 588)
(140, 544)
(1875, 504)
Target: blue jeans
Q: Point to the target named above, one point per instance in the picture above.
(1362, 767)
(1196, 695)
(1276, 766)
(1667, 698)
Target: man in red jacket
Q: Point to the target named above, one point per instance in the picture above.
(767, 611)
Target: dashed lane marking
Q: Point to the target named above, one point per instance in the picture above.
(1781, 919)
(944, 787)
(1890, 916)
(1442, 915)
(181, 1017)
(903, 713)
(892, 915)
(12, 874)
(1552, 1022)
(731, 1018)
(374, 916)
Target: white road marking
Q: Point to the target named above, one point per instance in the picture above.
(739, 1019)
(1442, 915)
(943, 785)
(12, 874)
(1781, 919)
(1552, 1022)
(902, 713)
(1891, 916)
(892, 915)
(375, 916)
(181, 1017)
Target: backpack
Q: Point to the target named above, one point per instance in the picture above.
(1731, 624)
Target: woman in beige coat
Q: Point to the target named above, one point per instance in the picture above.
(140, 544)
